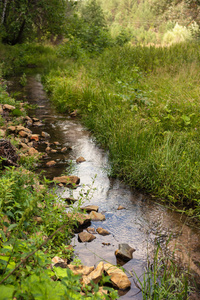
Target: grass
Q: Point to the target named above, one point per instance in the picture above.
(142, 103)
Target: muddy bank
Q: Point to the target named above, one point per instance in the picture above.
(141, 224)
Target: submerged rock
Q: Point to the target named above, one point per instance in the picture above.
(102, 231)
(95, 216)
(51, 163)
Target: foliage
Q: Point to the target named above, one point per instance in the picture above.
(20, 19)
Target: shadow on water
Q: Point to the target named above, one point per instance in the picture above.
(141, 224)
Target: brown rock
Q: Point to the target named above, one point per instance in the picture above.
(94, 216)
(32, 151)
(53, 150)
(74, 113)
(80, 160)
(118, 278)
(22, 128)
(38, 124)
(48, 149)
(91, 230)
(102, 231)
(56, 143)
(2, 133)
(24, 146)
(90, 208)
(59, 262)
(1, 110)
(38, 220)
(64, 149)
(29, 123)
(124, 252)
(36, 120)
(27, 118)
(95, 275)
(23, 133)
(51, 163)
(35, 137)
(11, 128)
(80, 219)
(8, 107)
(68, 180)
(85, 237)
(45, 135)
(81, 270)
(120, 207)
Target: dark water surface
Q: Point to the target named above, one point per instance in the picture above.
(141, 224)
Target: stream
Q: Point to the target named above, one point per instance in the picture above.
(141, 224)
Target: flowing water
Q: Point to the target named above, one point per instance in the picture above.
(141, 224)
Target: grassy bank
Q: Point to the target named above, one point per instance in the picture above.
(142, 103)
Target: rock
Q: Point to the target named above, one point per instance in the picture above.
(38, 124)
(11, 129)
(8, 107)
(95, 275)
(118, 278)
(120, 207)
(35, 137)
(1, 110)
(2, 133)
(24, 146)
(81, 219)
(36, 120)
(91, 230)
(64, 149)
(27, 118)
(53, 151)
(56, 143)
(38, 220)
(51, 163)
(80, 270)
(48, 149)
(45, 135)
(68, 180)
(29, 123)
(124, 252)
(32, 151)
(102, 231)
(80, 160)
(85, 237)
(59, 262)
(22, 128)
(106, 244)
(90, 208)
(95, 216)
(23, 133)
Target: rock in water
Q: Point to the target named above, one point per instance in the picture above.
(124, 252)
(86, 237)
(118, 278)
(102, 231)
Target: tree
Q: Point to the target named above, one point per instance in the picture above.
(23, 18)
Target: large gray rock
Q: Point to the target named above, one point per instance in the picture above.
(124, 252)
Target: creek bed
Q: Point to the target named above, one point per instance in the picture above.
(141, 224)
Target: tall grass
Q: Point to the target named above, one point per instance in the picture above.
(142, 103)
